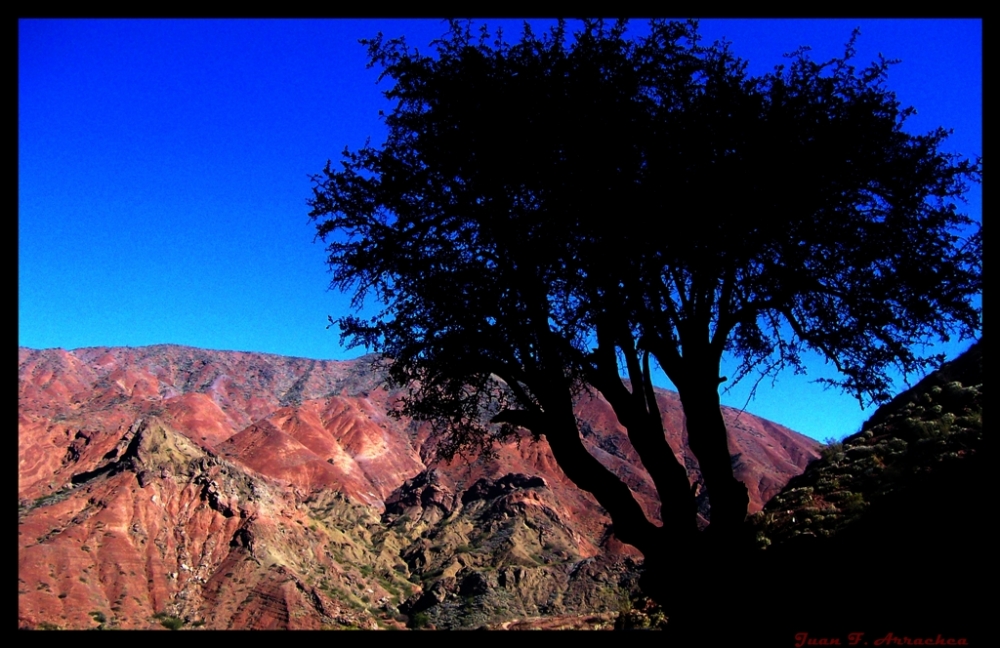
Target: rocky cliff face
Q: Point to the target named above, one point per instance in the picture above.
(168, 486)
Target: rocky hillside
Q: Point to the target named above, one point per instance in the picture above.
(932, 429)
(889, 532)
(169, 487)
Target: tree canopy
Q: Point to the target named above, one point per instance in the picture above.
(555, 214)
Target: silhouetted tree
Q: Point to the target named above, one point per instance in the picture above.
(549, 214)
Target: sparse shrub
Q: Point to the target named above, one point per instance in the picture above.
(432, 574)
(168, 621)
(860, 451)
(172, 623)
(827, 483)
(832, 451)
(642, 614)
(853, 503)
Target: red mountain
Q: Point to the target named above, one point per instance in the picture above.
(173, 486)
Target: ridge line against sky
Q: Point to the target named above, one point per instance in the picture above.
(164, 170)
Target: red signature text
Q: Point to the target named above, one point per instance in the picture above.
(857, 638)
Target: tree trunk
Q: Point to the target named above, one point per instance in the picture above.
(629, 521)
(638, 412)
(709, 441)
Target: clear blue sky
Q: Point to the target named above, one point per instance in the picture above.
(164, 170)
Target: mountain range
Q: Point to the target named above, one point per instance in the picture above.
(175, 487)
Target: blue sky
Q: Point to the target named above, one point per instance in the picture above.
(164, 170)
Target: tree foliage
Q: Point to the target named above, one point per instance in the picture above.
(554, 214)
